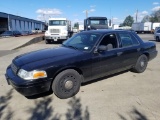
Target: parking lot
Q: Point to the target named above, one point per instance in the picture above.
(124, 96)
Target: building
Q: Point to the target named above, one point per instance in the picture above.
(13, 22)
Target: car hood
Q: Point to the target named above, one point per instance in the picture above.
(44, 54)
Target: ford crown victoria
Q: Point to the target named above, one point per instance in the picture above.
(83, 57)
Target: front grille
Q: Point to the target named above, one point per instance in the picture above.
(54, 30)
(14, 68)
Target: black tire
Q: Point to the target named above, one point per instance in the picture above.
(66, 84)
(141, 64)
(157, 39)
(47, 41)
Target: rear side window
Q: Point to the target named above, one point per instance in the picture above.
(128, 40)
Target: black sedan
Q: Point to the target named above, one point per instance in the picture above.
(84, 57)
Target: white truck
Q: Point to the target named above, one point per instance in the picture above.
(58, 29)
(114, 27)
(81, 28)
(142, 27)
(155, 26)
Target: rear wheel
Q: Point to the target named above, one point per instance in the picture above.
(66, 84)
(141, 64)
(157, 39)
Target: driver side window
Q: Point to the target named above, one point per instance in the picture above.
(110, 41)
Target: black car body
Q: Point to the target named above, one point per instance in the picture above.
(85, 56)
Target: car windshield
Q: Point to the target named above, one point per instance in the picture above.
(82, 41)
(57, 22)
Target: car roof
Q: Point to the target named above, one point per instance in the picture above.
(104, 31)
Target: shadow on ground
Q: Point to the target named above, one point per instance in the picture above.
(43, 110)
(75, 111)
(5, 111)
(134, 115)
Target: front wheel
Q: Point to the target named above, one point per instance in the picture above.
(141, 64)
(66, 84)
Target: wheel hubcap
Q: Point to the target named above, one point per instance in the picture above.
(142, 63)
(68, 84)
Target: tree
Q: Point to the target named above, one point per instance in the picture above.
(153, 19)
(146, 19)
(76, 25)
(128, 21)
(121, 25)
(155, 16)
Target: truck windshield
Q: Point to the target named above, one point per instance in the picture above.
(98, 22)
(57, 22)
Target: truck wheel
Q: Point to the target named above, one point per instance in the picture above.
(157, 39)
(141, 64)
(66, 84)
(47, 42)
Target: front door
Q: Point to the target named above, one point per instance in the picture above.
(107, 61)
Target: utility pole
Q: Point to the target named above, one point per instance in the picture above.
(137, 15)
(86, 13)
(44, 19)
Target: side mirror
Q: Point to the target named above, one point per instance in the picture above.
(88, 27)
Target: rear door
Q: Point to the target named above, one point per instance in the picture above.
(129, 50)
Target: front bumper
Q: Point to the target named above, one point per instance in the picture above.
(25, 87)
(56, 37)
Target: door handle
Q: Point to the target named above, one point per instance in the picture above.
(119, 53)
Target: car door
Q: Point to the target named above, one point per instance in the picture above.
(122, 56)
(108, 61)
(129, 50)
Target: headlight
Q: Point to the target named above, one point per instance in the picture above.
(64, 32)
(32, 74)
(46, 33)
